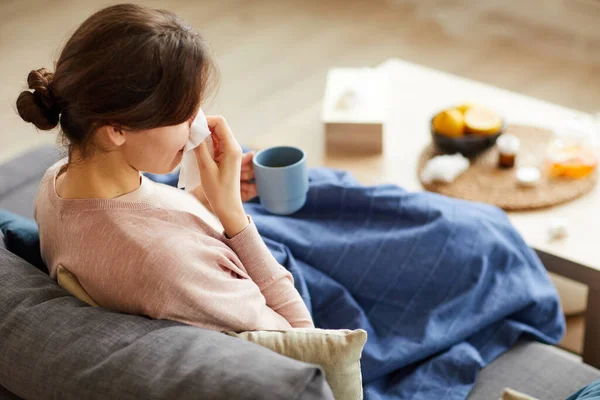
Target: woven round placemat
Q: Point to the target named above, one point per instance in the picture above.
(485, 182)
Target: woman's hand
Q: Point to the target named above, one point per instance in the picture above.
(248, 189)
(248, 186)
(221, 176)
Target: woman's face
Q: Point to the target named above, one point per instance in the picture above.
(157, 150)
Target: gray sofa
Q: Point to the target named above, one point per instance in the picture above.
(54, 346)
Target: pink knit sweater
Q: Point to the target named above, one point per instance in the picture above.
(159, 252)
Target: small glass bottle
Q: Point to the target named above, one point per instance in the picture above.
(508, 148)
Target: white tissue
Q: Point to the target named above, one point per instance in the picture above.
(189, 174)
(528, 176)
(444, 168)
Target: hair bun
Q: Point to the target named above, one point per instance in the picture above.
(39, 107)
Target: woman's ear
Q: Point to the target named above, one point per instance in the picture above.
(114, 135)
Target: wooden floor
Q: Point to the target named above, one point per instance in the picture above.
(274, 55)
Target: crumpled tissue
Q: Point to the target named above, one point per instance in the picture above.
(444, 168)
(189, 173)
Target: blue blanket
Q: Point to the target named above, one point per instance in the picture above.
(442, 286)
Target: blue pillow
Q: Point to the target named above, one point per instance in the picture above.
(21, 237)
(590, 392)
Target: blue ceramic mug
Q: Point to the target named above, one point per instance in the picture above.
(281, 179)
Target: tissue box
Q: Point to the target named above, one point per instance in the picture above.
(353, 111)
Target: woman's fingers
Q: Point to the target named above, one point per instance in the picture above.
(216, 145)
(218, 126)
(247, 161)
(247, 175)
(247, 167)
(205, 161)
(228, 144)
(214, 121)
(248, 191)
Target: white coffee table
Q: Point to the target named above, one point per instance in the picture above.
(415, 93)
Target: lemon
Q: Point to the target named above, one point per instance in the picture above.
(463, 108)
(450, 123)
(482, 121)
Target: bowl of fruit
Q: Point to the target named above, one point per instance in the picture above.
(467, 129)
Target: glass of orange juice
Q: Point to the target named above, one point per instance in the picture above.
(572, 154)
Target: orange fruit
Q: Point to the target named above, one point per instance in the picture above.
(449, 123)
(482, 121)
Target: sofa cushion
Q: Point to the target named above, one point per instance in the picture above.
(539, 370)
(54, 345)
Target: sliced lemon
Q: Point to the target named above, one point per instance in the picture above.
(482, 121)
(450, 123)
(463, 108)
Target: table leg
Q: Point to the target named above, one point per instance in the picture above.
(591, 278)
(591, 343)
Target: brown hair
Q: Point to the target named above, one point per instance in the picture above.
(126, 65)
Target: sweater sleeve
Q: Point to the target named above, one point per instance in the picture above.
(274, 281)
(177, 277)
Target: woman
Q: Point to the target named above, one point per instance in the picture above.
(125, 90)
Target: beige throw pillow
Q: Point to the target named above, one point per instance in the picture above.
(510, 394)
(338, 352)
(71, 284)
